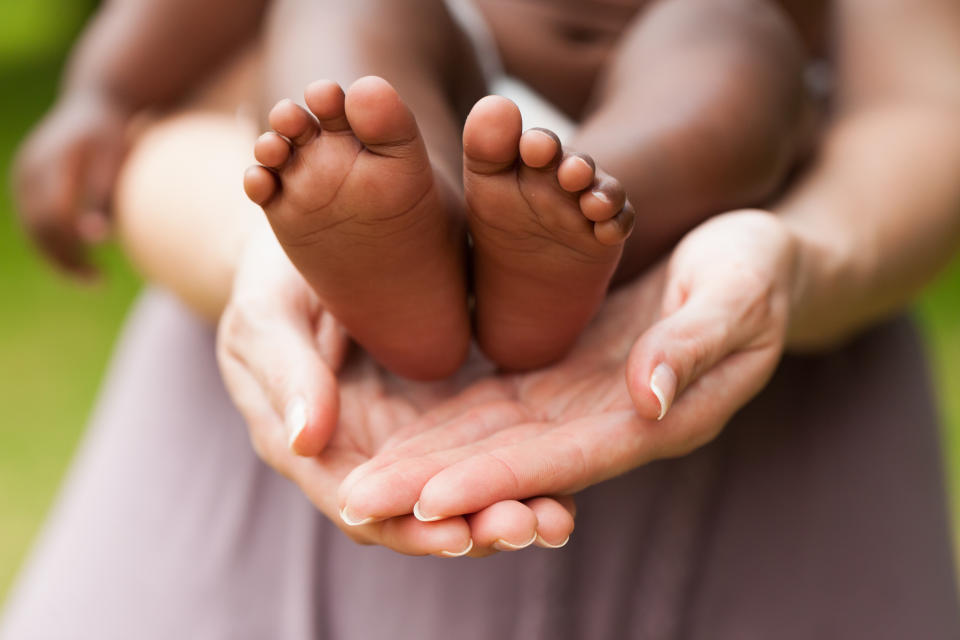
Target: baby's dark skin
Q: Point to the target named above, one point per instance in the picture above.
(687, 108)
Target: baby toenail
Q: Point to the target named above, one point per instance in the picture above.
(601, 196)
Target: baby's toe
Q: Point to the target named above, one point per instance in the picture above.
(379, 117)
(260, 184)
(325, 99)
(616, 229)
(293, 122)
(605, 200)
(271, 150)
(490, 136)
(576, 172)
(540, 148)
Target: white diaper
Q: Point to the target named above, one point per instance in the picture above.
(537, 111)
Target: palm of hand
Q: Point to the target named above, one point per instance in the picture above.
(386, 419)
(563, 428)
(275, 342)
(482, 439)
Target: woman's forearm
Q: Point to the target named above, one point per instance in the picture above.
(142, 53)
(879, 213)
(186, 231)
(876, 218)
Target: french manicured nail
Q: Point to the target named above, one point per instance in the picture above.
(503, 545)
(422, 518)
(351, 521)
(543, 543)
(457, 554)
(663, 384)
(295, 419)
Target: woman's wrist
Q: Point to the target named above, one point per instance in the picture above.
(823, 285)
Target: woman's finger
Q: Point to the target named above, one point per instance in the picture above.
(555, 520)
(504, 526)
(509, 525)
(681, 346)
(720, 311)
(283, 358)
(276, 343)
(434, 446)
(319, 476)
(395, 489)
(569, 457)
(556, 460)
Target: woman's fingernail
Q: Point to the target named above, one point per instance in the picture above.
(457, 554)
(351, 521)
(295, 419)
(422, 518)
(503, 545)
(543, 543)
(663, 384)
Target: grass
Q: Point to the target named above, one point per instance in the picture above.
(55, 336)
(938, 313)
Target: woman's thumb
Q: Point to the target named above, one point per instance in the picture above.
(675, 351)
(281, 358)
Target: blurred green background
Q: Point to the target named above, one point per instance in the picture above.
(56, 336)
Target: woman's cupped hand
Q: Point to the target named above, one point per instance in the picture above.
(488, 461)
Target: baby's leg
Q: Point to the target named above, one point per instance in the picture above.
(415, 45)
(355, 203)
(701, 109)
(365, 201)
(548, 230)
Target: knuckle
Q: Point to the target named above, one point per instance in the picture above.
(758, 310)
(238, 325)
(696, 348)
(699, 353)
(756, 299)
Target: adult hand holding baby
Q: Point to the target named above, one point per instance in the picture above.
(723, 302)
(280, 354)
(476, 444)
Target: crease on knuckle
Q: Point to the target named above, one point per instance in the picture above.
(510, 474)
(233, 331)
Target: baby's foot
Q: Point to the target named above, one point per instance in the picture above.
(355, 202)
(548, 230)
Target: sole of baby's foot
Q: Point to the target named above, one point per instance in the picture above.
(548, 230)
(352, 197)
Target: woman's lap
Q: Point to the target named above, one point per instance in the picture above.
(819, 513)
(167, 521)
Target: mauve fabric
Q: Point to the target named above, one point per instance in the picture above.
(819, 513)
